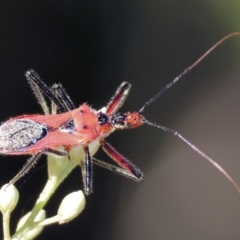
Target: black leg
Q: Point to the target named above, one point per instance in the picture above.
(33, 160)
(39, 95)
(34, 80)
(62, 95)
(86, 167)
(30, 164)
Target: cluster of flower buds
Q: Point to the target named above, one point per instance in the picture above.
(70, 207)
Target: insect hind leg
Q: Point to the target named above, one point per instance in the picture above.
(62, 96)
(33, 160)
(40, 89)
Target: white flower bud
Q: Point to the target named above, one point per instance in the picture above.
(8, 198)
(33, 233)
(71, 206)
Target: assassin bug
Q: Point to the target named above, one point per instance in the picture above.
(69, 127)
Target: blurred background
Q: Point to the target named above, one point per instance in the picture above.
(91, 47)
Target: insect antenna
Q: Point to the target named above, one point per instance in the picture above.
(175, 133)
(215, 164)
(163, 90)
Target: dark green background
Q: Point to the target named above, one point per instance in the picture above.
(91, 47)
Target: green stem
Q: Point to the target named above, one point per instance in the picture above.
(6, 229)
(58, 170)
(49, 189)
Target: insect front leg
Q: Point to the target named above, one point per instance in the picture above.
(33, 160)
(118, 98)
(133, 171)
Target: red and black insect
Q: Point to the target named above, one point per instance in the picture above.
(68, 126)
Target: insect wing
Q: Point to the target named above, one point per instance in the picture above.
(19, 134)
(52, 121)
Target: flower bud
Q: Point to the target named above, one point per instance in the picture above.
(8, 198)
(71, 206)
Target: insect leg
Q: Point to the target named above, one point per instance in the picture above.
(34, 80)
(30, 164)
(118, 98)
(33, 160)
(62, 96)
(54, 152)
(114, 169)
(133, 171)
(54, 109)
(39, 95)
(86, 168)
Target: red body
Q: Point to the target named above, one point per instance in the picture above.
(86, 130)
